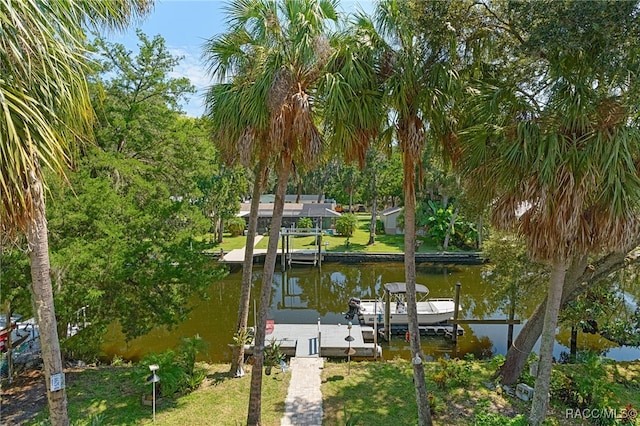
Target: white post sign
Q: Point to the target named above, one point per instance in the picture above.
(57, 382)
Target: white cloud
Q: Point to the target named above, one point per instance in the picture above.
(191, 67)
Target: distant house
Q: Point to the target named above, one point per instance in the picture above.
(389, 218)
(304, 198)
(321, 213)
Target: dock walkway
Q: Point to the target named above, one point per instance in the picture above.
(303, 405)
(321, 340)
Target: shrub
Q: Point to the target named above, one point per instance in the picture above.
(85, 345)
(235, 226)
(305, 222)
(452, 372)
(177, 369)
(347, 224)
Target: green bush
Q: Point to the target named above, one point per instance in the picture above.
(235, 226)
(305, 222)
(380, 227)
(85, 345)
(347, 224)
(494, 419)
(177, 369)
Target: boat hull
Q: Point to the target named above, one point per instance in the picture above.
(431, 311)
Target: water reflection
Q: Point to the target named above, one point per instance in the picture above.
(304, 295)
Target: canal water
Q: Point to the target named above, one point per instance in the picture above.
(305, 294)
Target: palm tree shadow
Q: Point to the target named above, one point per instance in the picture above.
(334, 378)
(218, 378)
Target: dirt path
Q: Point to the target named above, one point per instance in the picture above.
(23, 399)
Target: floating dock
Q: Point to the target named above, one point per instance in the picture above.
(443, 330)
(321, 340)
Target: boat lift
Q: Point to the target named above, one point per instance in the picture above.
(302, 257)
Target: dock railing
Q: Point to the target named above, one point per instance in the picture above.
(319, 340)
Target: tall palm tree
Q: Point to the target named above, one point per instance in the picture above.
(45, 107)
(294, 73)
(240, 139)
(568, 156)
(286, 47)
(416, 75)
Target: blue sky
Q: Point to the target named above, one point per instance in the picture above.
(186, 25)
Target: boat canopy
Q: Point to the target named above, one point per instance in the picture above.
(402, 288)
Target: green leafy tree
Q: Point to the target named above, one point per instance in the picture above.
(45, 104)
(221, 194)
(122, 237)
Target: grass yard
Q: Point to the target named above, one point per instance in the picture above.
(461, 392)
(357, 242)
(228, 243)
(113, 396)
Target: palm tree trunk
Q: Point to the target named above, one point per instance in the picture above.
(38, 241)
(452, 221)
(522, 346)
(247, 268)
(554, 300)
(255, 395)
(424, 411)
(374, 212)
(372, 225)
(9, 343)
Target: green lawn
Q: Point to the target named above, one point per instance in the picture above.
(358, 241)
(228, 242)
(461, 392)
(113, 396)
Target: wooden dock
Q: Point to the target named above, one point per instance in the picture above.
(321, 340)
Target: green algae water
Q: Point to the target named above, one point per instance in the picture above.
(305, 294)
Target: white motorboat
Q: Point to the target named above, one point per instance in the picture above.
(430, 310)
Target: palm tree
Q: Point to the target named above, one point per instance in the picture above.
(567, 158)
(415, 70)
(285, 45)
(45, 107)
(293, 74)
(239, 139)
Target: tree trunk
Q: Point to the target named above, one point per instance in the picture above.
(255, 395)
(573, 346)
(545, 363)
(578, 274)
(480, 232)
(220, 230)
(9, 343)
(237, 359)
(452, 221)
(424, 410)
(38, 242)
(374, 214)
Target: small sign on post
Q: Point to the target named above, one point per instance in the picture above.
(57, 382)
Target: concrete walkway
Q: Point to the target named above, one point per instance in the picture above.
(303, 406)
(237, 255)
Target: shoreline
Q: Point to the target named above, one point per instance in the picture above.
(457, 258)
